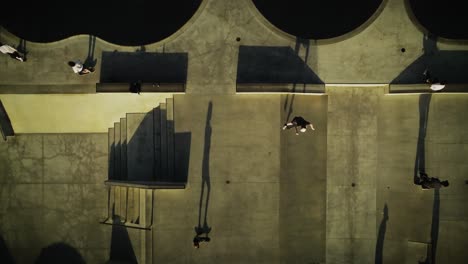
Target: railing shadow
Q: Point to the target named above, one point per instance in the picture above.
(381, 237)
(204, 204)
(90, 61)
(260, 64)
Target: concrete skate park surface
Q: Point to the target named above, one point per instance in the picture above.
(341, 194)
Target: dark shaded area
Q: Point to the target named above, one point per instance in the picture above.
(450, 67)
(121, 22)
(259, 64)
(183, 142)
(317, 19)
(297, 88)
(445, 18)
(128, 67)
(420, 162)
(431, 254)
(205, 229)
(381, 237)
(59, 253)
(5, 255)
(6, 128)
(90, 61)
(121, 249)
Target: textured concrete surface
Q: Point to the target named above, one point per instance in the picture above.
(369, 54)
(287, 201)
(412, 212)
(352, 173)
(80, 113)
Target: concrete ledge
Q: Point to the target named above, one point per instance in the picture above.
(6, 128)
(47, 88)
(145, 87)
(146, 184)
(425, 88)
(280, 88)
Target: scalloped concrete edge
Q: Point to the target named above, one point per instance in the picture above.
(8, 36)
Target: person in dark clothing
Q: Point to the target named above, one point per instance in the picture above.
(135, 87)
(427, 182)
(197, 239)
(298, 121)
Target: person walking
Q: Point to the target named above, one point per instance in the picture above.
(427, 182)
(12, 52)
(298, 121)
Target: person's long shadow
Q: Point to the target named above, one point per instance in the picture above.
(90, 60)
(121, 249)
(299, 42)
(381, 237)
(22, 49)
(434, 228)
(205, 229)
(420, 163)
(5, 255)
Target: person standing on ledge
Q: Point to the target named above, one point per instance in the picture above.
(78, 67)
(298, 121)
(12, 52)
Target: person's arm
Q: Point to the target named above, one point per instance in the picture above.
(312, 126)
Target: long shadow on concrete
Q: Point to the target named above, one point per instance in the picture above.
(449, 66)
(59, 253)
(381, 237)
(147, 141)
(90, 61)
(147, 67)
(420, 162)
(259, 64)
(121, 250)
(431, 254)
(5, 255)
(296, 88)
(203, 206)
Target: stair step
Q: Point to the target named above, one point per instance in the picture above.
(123, 148)
(163, 118)
(117, 152)
(140, 146)
(111, 153)
(170, 138)
(157, 142)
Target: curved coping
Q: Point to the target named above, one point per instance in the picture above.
(11, 37)
(345, 36)
(424, 30)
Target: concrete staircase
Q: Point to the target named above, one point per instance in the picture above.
(141, 159)
(141, 146)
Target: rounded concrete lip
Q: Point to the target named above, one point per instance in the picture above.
(121, 26)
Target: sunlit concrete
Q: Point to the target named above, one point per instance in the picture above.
(79, 113)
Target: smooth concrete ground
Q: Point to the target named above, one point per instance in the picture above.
(52, 187)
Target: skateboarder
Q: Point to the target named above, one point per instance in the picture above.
(78, 67)
(12, 52)
(198, 239)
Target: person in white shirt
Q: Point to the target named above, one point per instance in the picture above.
(78, 67)
(12, 52)
(436, 85)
